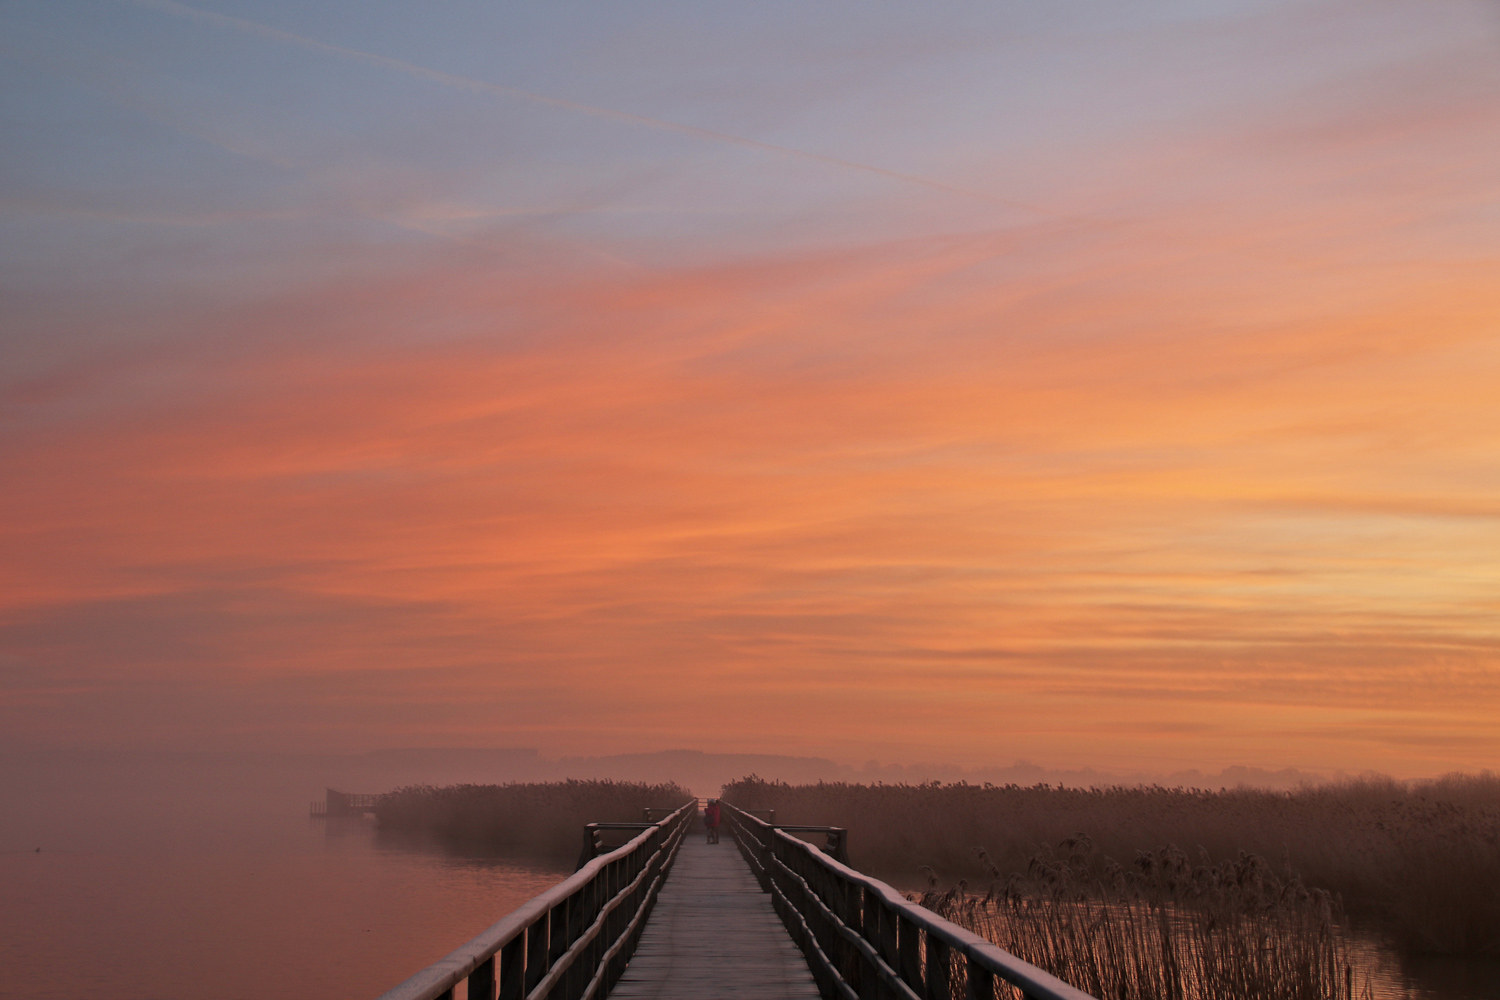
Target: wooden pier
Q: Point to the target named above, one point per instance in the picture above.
(762, 915)
(714, 934)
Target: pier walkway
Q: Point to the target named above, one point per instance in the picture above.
(763, 915)
(714, 934)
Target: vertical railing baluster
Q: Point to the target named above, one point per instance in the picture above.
(580, 915)
(981, 981)
(767, 852)
(482, 981)
(910, 945)
(887, 945)
(939, 969)
(557, 934)
(867, 922)
(512, 967)
(855, 903)
(538, 961)
(595, 948)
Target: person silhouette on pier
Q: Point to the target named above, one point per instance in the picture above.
(711, 820)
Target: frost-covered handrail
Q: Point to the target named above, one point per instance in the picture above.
(572, 941)
(862, 938)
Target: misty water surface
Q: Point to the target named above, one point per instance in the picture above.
(192, 880)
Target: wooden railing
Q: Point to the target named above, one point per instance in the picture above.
(865, 941)
(572, 941)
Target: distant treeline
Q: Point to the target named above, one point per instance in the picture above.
(541, 819)
(1424, 856)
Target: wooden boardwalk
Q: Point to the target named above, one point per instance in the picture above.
(714, 934)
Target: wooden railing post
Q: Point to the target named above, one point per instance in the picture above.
(590, 843)
(482, 981)
(768, 855)
(538, 960)
(512, 968)
(980, 984)
(910, 945)
(939, 969)
(870, 920)
(887, 943)
(854, 914)
(557, 934)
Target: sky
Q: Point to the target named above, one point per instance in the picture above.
(1105, 384)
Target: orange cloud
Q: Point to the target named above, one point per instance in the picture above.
(1082, 497)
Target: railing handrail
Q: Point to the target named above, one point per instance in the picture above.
(438, 978)
(593, 846)
(1036, 983)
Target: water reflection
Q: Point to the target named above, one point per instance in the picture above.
(1432, 977)
(209, 905)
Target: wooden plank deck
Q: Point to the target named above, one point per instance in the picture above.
(713, 934)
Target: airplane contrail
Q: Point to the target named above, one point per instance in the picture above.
(485, 87)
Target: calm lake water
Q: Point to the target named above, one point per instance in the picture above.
(204, 895)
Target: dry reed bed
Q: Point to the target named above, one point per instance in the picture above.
(1166, 928)
(1423, 857)
(541, 819)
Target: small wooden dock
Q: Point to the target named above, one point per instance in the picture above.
(713, 934)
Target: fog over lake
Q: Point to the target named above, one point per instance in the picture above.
(201, 877)
(190, 877)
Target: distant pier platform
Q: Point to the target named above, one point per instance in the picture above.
(337, 803)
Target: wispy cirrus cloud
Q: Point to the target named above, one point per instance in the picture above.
(746, 487)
